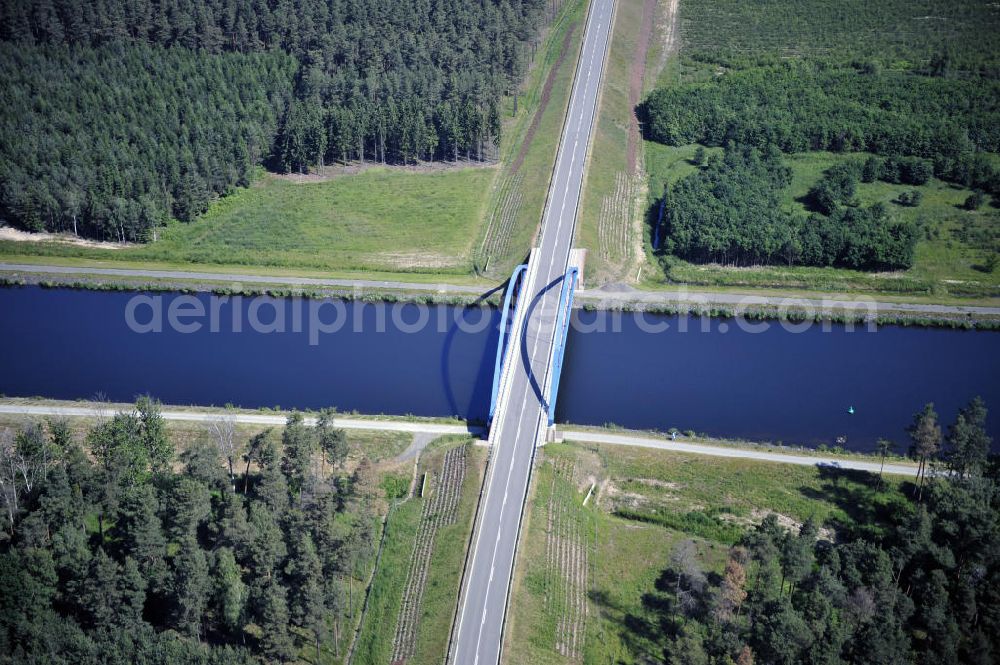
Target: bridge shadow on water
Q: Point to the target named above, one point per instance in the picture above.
(479, 398)
(525, 355)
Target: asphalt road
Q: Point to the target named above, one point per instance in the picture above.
(278, 420)
(604, 297)
(133, 273)
(521, 416)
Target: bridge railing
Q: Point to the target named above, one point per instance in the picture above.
(562, 332)
(516, 278)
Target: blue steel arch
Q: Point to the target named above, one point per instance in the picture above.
(512, 286)
(562, 332)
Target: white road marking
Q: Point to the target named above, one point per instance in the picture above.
(546, 314)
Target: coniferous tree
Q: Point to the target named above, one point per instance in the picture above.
(925, 435)
(968, 442)
(138, 533)
(100, 598)
(230, 596)
(272, 611)
(332, 441)
(299, 446)
(184, 100)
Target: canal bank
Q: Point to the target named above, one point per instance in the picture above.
(14, 412)
(839, 307)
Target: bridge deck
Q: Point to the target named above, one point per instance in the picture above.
(520, 419)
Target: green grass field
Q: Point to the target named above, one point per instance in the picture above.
(443, 578)
(710, 501)
(951, 253)
(375, 641)
(382, 219)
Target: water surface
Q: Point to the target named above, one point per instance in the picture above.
(715, 377)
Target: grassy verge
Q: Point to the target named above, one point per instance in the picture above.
(484, 296)
(952, 249)
(613, 198)
(530, 635)
(610, 195)
(690, 436)
(529, 150)
(63, 255)
(665, 497)
(375, 643)
(445, 574)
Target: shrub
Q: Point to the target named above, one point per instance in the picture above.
(975, 201)
(910, 199)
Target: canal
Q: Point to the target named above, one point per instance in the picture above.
(794, 384)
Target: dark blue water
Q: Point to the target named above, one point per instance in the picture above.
(74, 344)
(774, 385)
(778, 384)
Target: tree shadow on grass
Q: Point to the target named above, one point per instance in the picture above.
(647, 630)
(869, 511)
(643, 630)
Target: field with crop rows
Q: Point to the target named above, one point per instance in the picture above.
(440, 509)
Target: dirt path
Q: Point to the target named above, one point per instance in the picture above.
(543, 104)
(636, 79)
(334, 171)
(611, 296)
(671, 36)
(682, 446)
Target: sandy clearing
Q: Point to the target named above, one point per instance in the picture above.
(16, 235)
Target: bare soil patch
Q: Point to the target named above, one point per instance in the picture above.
(412, 260)
(671, 40)
(757, 516)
